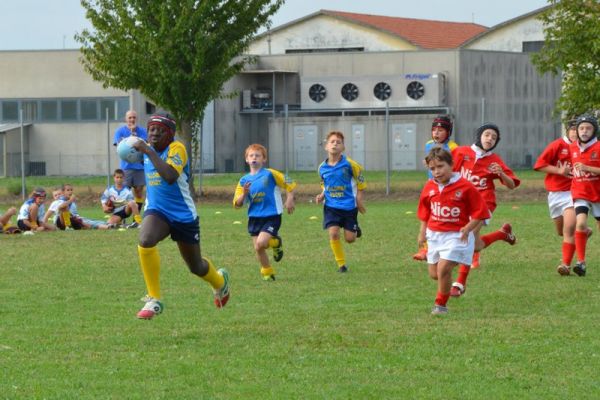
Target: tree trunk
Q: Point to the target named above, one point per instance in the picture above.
(185, 135)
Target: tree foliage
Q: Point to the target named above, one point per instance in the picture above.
(178, 53)
(572, 48)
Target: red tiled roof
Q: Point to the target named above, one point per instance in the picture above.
(422, 33)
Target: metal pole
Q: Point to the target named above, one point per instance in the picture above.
(23, 188)
(285, 138)
(200, 155)
(482, 110)
(107, 151)
(388, 149)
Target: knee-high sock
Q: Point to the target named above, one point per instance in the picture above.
(493, 237)
(273, 242)
(463, 273)
(338, 252)
(568, 250)
(150, 263)
(212, 276)
(580, 244)
(66, 217)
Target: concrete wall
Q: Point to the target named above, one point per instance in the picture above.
(510, 37)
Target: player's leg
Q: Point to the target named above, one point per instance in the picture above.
(581, 227)
(459, 287)
(505, 233)
(337, 248)
(444, 275)
(261, 243)
(559, 224)
(567, 222)
(5, 218)
(132, 209)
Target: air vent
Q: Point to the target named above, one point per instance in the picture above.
(317, 92)
(382, 91)
(415, 90)
(350, 92)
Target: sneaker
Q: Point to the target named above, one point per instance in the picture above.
(268, 277)
(421, 255)
(133, 225)
(222, 295)
(439, 310)
(343, 269)
(457, 289)
(475, 262)
(146, 298)
(509, 236)
(579, 268)
(278, 251)
(563, 270)
(151, 308)
(358, 232)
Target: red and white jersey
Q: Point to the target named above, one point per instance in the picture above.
(586, 185)
(474, 165)
(556, 154)
(447, 208)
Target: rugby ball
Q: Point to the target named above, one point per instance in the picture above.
(127, 152)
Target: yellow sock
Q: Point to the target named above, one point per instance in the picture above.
(215, 279)
(140, 203)
(150, 263)
(137, 218)
(273, 242)
(338, 252)
(66, 217)
(267, 271)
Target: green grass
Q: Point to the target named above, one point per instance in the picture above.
(68, 328)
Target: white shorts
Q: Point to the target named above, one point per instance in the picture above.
(593, 207)
(448, 246)
(558, 202)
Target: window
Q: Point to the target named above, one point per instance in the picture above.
(532, 47)
(68, 110)
(30, 110)
(49, 110)
(89, 109)
(122, 107)
(10, 110)
(110, 105)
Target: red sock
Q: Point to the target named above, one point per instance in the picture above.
(493, 237)
(463, 272)
(568, 249)
(580, 243)
(442, 299)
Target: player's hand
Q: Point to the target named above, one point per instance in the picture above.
(361, 208)
(580, 167)
(141, 146)
(421, 240)
(565, 170)
(464, 234)
(495, 168)
(319, 198)
(290, 206)
(247, 187)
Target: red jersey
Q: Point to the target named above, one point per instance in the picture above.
(558, 155)
(477, 171)
(447, 208)
(585, 185)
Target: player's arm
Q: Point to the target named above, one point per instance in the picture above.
(288, 185)
(360, 201)
(506, 180)
(564, 170)
(361, 185)
(468, 228)
(164, 169)
(587, 168)
(421, 239)
(240, 194)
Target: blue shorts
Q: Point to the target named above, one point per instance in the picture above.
(346, 219)
(187, 232)
(270, 225)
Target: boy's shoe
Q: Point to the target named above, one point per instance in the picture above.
(421, 255)
(222, 295)
(146, 298)
(343, 269)
(358, 232)
(509, 236)
(278, 251)
(457, 289)
(151, 308)
(579, 268)
(563, 270)
(268, 277)
(439, 310)
(133, 225)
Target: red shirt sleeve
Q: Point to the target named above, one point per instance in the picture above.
(424, 207)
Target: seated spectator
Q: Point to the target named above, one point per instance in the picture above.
(118, 200)
(32, 212)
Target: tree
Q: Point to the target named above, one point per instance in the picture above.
(178, 53)
(572, 48)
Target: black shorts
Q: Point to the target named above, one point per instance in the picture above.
(121, 212)
(346, 219)
(24, 227)
(271, 225)
(76, 223)
(187, 232)
(135, 177)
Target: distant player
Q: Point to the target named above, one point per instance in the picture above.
(5, 225)
(119, 201)
(32, 211)
(481, 166)
(261, 190)
(555, 161)
(450, 209)
(441, 131)
(585, 186)
(343, 184)
(170, 211)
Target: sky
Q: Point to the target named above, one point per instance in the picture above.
(51, 24)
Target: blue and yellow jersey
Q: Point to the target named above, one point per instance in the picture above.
(264, 197)
(341, 182)
(449, 145)
(172, 200)
(24, 212)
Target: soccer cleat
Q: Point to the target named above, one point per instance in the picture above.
(508, 233)
(151, 308)
(421, 255)
(278, 251)
(222, 294)
(343, 269)
(563, 270)
(439, 310)
(358, 232)
(579, 268)
(268, 277)
(133, 225)
(457, 289)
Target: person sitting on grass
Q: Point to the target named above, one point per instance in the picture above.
(118, 201)
(5, 225)
(32, 211)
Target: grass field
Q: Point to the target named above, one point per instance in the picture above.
(68, 328)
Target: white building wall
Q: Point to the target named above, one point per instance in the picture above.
(511, 36)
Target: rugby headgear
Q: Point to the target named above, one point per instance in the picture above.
(443, 121)
(480, 131)
(590, 120)
(168, 123)
(39, 192)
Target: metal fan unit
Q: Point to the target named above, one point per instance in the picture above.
(382, 91)
(349, 92)
(415, 90)
(317, 92)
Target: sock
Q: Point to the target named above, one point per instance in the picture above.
(568, 250)
(150, 263)
(137, 218)
(267, 271)
(493, 237)
(441, 299)
(212, 276)
(140, 203)
(338, 252)
(273, 242)
(463, 273)
(66, 217)
(580, 243)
